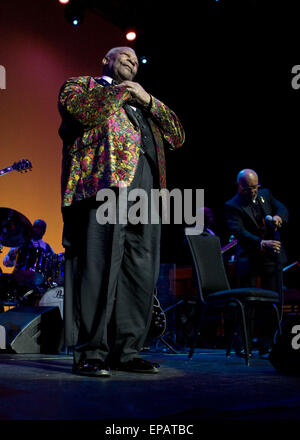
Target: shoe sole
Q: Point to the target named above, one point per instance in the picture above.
(154, 371)
(100, 373)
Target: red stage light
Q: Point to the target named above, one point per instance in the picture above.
(64, 2)
(130, 35)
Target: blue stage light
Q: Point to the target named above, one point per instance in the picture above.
(74, 13)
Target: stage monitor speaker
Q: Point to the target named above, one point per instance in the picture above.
(285, 353)
(32, 330)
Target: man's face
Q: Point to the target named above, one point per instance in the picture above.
(122, 65)
(38, 230)
(248, 187)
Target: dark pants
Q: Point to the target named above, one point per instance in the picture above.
(260, 318)
(111, 273)
(265, 271)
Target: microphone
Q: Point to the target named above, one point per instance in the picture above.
(271, 225)
(269, 221)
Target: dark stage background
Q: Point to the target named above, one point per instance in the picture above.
(225, 67)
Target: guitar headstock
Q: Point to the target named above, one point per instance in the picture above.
(22, 165)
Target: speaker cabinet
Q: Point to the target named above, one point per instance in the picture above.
(32, 330)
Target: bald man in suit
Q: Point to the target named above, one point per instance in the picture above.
(254, 216)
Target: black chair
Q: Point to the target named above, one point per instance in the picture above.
(214, 289)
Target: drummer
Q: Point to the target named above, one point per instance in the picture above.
(38, 231)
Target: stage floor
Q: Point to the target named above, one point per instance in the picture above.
(209, 388)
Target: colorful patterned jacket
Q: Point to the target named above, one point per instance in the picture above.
(101, 145)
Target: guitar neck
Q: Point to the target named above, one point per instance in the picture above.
(21, 166)
(6, 170)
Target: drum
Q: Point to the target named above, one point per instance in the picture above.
(57, 269)
(32, 266)
(54, 297)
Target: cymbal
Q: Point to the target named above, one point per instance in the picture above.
(15, 228)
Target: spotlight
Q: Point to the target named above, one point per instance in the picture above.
(76, 21)
(131, 35)
(144, 60)
(74, 13)
(64, 2)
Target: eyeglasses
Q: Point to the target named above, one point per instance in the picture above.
(250, 188)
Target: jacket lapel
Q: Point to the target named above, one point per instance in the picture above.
(128, 109)
(131, 115)
(249, 212)
(262, 204)
(246, 208)
(102, 81)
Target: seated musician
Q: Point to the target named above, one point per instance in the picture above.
(38, 231)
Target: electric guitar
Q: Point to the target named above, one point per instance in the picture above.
(158, 322)
(20, 166)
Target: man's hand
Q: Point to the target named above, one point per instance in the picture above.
(272, 245)
(139, 95)
(277, 221)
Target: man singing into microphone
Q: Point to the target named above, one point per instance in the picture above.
(254, 217)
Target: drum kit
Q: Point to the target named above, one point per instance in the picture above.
(37, 277)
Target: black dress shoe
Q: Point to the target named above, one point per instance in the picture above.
(92, 367)
(137, 365)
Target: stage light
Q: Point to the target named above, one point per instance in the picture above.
(74, 13)
(131, 35)
(64, 2)
(144, 60)
(75, 21)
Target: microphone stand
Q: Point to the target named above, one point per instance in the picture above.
(279, 284)
(279, 278)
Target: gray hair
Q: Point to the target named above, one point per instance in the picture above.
(117, 49)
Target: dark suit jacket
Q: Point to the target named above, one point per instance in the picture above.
(243, 225)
